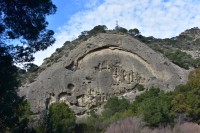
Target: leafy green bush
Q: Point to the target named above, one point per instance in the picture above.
(93, 124)
(114, 105)
(153, 106)
(196, 63)
(60, 119)
(187, 98)
(98, 29)
(121, 29)
(180, 58)
(134, 32)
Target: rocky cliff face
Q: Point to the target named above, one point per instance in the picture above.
(102, 66)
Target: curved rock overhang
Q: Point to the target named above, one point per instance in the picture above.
(99, 68)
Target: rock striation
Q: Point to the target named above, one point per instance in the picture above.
(103, 66)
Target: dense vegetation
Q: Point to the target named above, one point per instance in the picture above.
(23, 31)
(177, 56)
(60, 119)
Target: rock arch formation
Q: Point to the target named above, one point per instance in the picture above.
(102, 66)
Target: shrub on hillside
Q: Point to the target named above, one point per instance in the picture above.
(61, 118)
(180, 58)
(110, 107)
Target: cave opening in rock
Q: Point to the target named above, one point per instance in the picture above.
(70, 86)
(62, 97)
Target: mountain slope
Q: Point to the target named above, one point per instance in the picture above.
(104, 65)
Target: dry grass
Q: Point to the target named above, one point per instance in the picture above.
(135, 125)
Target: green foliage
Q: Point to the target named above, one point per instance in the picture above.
(194, 78)
(114, 105)
(196, 63)
(28, 75)
(114, 110)
(180, 105)
(93, 124)
(157, 48)
(187, 98)
(182, 59)
(40, 129)
(25, 21)
(31, 67)
(178, 57)
(23, 110)
(8, 96)
(153, 92)
(134, 32)
(144, 39)
(171, 47)
(98, 29)
(60, 119)
(185, 41)
(153, 106)
(23, 115)
(121, 29)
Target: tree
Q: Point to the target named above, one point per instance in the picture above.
(23, 115)
(194, 78)
(196, 63)
(98, 29)
(61, 118)
(121, 29)
(180, 107)
(25, 21)
(22, 33)
(110, 107)
(180, 58)
(134, 32)
(153, 106)
(155, 111)
(31, 67)
(188, 97)
(8, 96)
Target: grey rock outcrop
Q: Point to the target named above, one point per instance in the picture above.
(102, 66)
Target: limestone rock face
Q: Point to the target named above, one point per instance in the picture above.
(102, 66)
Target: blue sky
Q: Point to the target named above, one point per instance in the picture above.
(67, 8)
(158, 18)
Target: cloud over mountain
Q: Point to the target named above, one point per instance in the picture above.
(158, 18)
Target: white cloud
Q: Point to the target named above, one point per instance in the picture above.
(152, 17)
(91, 3)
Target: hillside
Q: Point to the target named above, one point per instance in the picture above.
(89, 70)
(104, 68)
(182, 50)
(187, 41)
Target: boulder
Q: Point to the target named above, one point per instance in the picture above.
(103, 66)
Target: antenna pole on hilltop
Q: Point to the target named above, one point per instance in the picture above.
(117, 26)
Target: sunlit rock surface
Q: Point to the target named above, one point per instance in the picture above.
(102, 66)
